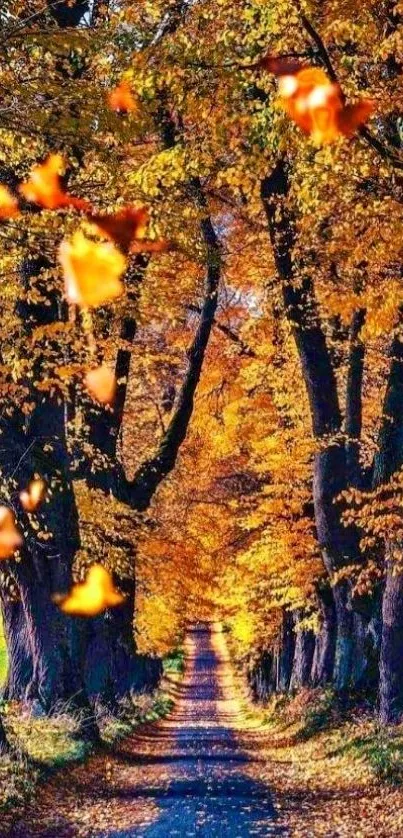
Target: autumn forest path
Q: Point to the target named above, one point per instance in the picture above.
(187, 775)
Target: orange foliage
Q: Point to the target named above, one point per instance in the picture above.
(92, 597)
(121, 99)
(278, 65)
(91, 271)
(123, 227)
(127, 229)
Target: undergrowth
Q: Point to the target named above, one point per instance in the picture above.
(345, 726)
(43, 745)
(174, 663)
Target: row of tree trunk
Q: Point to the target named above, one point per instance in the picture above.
(359, 644)
(54, 658)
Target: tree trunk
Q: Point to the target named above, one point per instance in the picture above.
(113, 668)
(338, 545)
(115, 632)
(20, 666)
(4, 744)
(344, 651)
(389, 459)
(262, 676)
(325, 641)
(391, 658)
(286, 652)
(303, 657)
(41, 668)
(354, 398)
(44, 626)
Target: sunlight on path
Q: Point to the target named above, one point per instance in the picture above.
(183, 776)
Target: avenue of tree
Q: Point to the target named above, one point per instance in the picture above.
(250, 466)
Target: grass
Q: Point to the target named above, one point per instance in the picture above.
(342, 730)
(330, 766)
(382, 749)
(43, 745)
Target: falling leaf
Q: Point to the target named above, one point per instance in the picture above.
(121, 99)
(31, 497)
(352, 116)
(8, 204)
(127, 229)
(91, 597)
(123, 227)
(10, 538)
(101, 383)
(92, 270)
(149, 246)
(278, 65)
(44, 186)
(317, 106)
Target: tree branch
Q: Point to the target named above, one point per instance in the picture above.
(301, 309)
(354, 397)
(139, 491)
(229, 333)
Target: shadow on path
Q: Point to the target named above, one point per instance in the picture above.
(186, 775)
(203, 792)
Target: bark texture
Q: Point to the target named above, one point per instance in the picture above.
(338, 545)
(303, 656)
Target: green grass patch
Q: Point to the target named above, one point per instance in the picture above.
(43, 745)
(342, 728)
(307, 712)
(318, 714)
(382, 749)
(174, 663)
(145, 708)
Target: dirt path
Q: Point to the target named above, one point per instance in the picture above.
(183, 776)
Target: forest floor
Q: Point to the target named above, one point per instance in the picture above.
(216, 768)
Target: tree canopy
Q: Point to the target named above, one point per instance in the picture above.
(201, 333)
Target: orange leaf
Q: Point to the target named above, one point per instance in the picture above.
(31, 497)
(352, 116)
(121, 99)
(10, 538)
(92, 271)
(316, 105)
(8, 204)
(278, 65)
(45, 189)
(101, 383)
(124, 226)
(92, 597)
